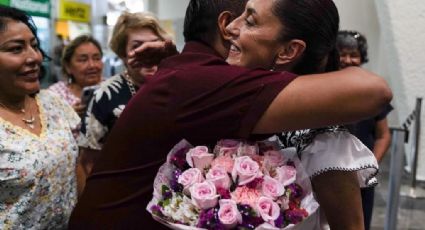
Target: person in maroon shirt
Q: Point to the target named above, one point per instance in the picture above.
(197, 96)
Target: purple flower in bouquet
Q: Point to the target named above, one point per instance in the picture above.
(166, 192)
(280, 221)
(209, 219)
(224, 193)
(295, 191)
(174, 184)
(179, 159)
(156, 210)
(250, 220)
(295, 216)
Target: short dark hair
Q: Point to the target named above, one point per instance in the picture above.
(350, 39)
(316, 22)
(201, 17)
(11, 13)
(69, 50)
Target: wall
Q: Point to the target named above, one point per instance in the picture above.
(395, 30)
(403, 49)
(174, 11)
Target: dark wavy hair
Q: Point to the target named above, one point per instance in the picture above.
(316, 22)
(69, 50)
(350, 39)
(11, 13)
(200, 23)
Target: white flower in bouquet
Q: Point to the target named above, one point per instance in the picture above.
(181, 209)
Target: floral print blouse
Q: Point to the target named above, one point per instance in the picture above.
(64, 92)
(37, 173)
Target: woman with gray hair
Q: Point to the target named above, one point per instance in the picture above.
(130, 31)
(373, 132)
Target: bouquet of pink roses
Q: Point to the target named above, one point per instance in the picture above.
(238, 185)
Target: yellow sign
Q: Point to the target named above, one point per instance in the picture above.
(74, 11)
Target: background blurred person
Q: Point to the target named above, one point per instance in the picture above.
(82, 65)
(57, 56)
(373, 132)
(37, 150)
(130, 31)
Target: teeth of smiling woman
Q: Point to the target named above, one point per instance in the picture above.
(234, 48)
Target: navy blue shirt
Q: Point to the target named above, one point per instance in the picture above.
(365, 129)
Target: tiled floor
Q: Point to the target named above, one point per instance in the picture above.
(411, 212)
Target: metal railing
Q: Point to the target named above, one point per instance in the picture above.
(399, 137)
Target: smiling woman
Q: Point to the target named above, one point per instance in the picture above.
(82, 65)
(37, 149)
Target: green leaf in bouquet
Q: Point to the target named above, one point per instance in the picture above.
(166, 192)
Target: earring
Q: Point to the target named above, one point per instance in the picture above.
(70, 80)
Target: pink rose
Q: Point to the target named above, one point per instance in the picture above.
(246, 170)
(199, 157)
(272, 188)
(204, 195)
(286, 175)
(218, 175)
(225, 161)
(228, 213)
(273, 159)
(189, 178)
(268, 209)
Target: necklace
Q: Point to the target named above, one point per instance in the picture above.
(28, 122)
(129, 83)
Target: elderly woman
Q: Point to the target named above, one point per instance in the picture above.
(82, 66)
(373, 132)
(130, 31)
(37, 150)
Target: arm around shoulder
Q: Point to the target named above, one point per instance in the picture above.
(320, 100)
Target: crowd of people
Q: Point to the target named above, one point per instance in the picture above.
(249, 70)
